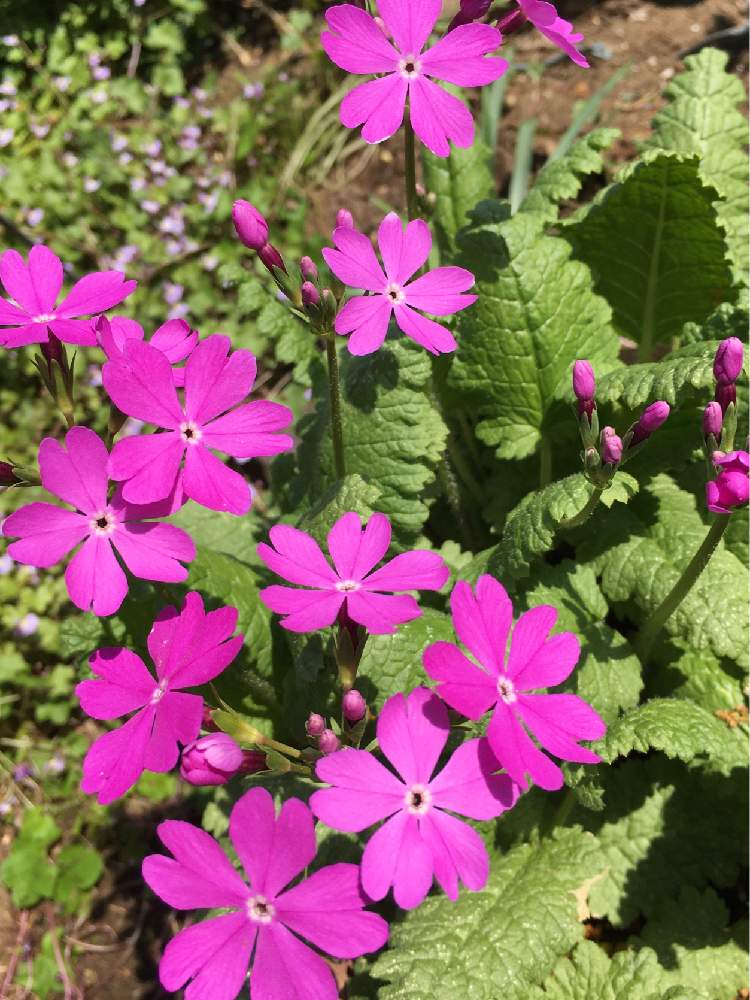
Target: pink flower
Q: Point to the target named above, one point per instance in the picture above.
(544, 17)
(34, 289)
(174, 339)
(420, 839)
(558, 721)
(327, 908)
(141, 384)
(366, 317)
(730, 488)
(189, 649)
(352, 587)
(211, 760)
(357, 44)
(94, 577)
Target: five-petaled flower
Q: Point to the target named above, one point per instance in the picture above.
(357, 44)
(420, 838)
(34, 289)
(141, 384)
(558, 721)
(188, 649)
(366, 317)
(94, 578)
(352, 586)
(326, 909)
(174, 339)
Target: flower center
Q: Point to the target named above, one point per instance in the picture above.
(506, 690)
(418, 800)
(260, 910)
(395, 294)
(347, 586)
(410, 67)
(44, 318)
(159, 693)
(190, 432)
(103, 523)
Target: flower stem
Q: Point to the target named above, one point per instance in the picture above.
(585, 513)
(334, 387)
(410, 169)
(651, 628)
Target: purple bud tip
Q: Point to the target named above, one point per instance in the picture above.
(650, 420)
(7, 475)
(471, 10)
(253, 761)
(271, 257)
(611, 446)
(251, 227)
(511, 22)
(344, 219)
(728, 361)
(308, 269)
(211, 760)
(315, 725)
(328, 742)
(310, 294)
(712, 419)
(584, 384)
(354, 706)
(726, 393)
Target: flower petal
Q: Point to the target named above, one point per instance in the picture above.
(214, 485)
(364, 791)
(529, 636)
(296, 557)
(33, 333)
(200, 869)
(381, 613)
(427, 333)
(148, 464)
(121, 666)
(355, 43)
(380, 859)
(306, 610)
(417, 570)
(114, 762)
(16, 280)
(437, 291)
(47, 533)
(461, 683)
(379, 106)
(558, 721)
(403, 252)
(551, 664)
(94, 578)
(154, 551)
(45, 276)
(460, 56)
(354, 262)
(95, 293)
(410, 23)
(178, 720)
(412, 731)
(286, 969)
(414, 866)
(141, 385)
(457, 850)
(74, 331)
(367, 318)
(11, 315)
(127, 684)
(519, 756)
(215, 381)
(191, 648)
(247, 432)
(467, 784)
(563, 34)
(174, 339)
(483, 622)
(438, 116)
(354, 551)
(79, 475)
(214, 954)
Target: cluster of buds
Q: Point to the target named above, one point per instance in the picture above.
(604, 452)
(324, 738)
(215, 759)
(354, 719)
(729, 488)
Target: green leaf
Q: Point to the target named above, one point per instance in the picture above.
(27, 871)
(641, 554)
(79, 868)
(561, 179)
(536, 313)
(699, 676)
(456, 182)
(498, 942)
(726, 321)
(80, 635)
(655, 248)
(703, 115)
(350, 494)
(675, 376)
(220, 531)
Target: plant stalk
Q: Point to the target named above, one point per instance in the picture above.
(585, 513)
(334, 388)
(410, 169)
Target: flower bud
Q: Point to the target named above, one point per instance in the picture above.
(272, 258)
(584, 386)
(310, 294)
(471, 10)
(7, 475)
(250, 225)
(611, 446)
(211, 760)
(308, 269)
(354, 705)
(712, 420)
(344, 219)
(730, 488)
(726, 393)
(728, 361)
(511, 22)
(328, 742)
(253, 761)
(315, 725)
(650, 420)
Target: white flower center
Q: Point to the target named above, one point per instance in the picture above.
(44, 318)
(102, 523)
(395, 294)
(347, 586)
(159, 693)
(410, 67)
(418, 800)
(260, 910)
(190, 432)
(506, 690)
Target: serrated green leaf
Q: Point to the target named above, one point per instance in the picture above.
(220, 531)
(699, 676)
(498, 942)
(457, 182)
(672, 378)
(655, 247)
(536, 313)
(726, 321)
(703, 116)
(350, 494)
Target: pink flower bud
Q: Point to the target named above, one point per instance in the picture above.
(471, 10)
(584, 383)
(344, 219)
(251, 227)
(308, 269)
(726, 393)
(354, 706)
(511, 22)
(728, 361)
(211, 760)
(271, 257)
(328, 742)
(650, 420)
(315, 725)
(712, 420)
(611, 446)
(7, 475)
(730, 488)
(310, 294)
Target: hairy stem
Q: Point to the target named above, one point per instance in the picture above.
(334, 388)
(585, 513)
(410, 169)
(651, 628)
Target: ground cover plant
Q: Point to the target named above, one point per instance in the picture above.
(336, 629)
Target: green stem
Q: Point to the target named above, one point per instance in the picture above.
(410, 170)
(545, 463)
(334, 387)
(648, 632)
(583, 515)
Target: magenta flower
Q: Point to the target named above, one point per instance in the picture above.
(141, 384)
(352, 588)
(34, 289)
(188, 649)
(366, 317)
(174, 339)
(545, 19)
(357, 44)
(94, 577)
(730, 488)
(558, 721)
(420, 839)
(211, 760)
(327, 909)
